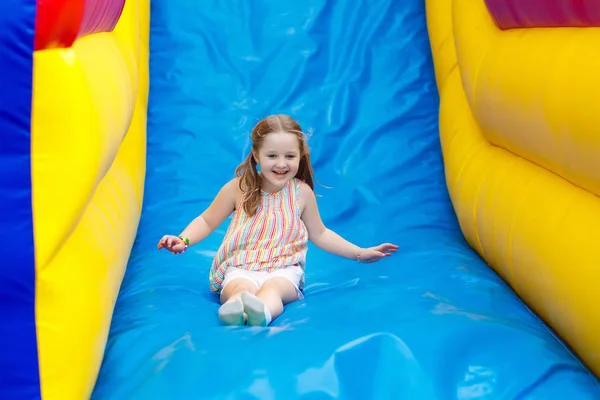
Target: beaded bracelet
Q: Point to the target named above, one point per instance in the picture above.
(358, 256)
(185, 240)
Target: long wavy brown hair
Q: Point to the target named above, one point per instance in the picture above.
(250, 181)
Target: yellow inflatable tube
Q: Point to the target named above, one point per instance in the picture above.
(519, 133)
(88, 166)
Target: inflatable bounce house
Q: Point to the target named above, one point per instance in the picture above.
(464, 131)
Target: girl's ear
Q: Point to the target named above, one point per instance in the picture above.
(255, 156)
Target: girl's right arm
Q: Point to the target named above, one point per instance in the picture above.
(220, 208)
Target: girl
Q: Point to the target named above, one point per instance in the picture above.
(259, 267)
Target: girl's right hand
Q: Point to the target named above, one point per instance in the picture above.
(172, 243)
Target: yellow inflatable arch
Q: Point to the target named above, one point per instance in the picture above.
(89, 140)
(519, 131)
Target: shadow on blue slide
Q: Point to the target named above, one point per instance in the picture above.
(430, 322)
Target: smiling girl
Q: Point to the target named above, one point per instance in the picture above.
(259, 266)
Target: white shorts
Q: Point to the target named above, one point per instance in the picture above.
(293, 274)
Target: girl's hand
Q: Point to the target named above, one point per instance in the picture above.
(376, 253)
(172, 243)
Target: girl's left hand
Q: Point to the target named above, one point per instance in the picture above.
(376, 253)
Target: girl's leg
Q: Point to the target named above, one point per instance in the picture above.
(235, 287)
(232, 310)
(268, 302)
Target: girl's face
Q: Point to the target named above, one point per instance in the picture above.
(279, 160)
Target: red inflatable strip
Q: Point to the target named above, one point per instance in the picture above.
(60, 22)
(510, 14)
(100, 16)
(57, 23)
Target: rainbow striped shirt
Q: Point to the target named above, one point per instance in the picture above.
(275, 237)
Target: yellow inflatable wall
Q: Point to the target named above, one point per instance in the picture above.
(88, 138)
(519, 133)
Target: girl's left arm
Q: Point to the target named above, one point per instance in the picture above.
(327, 240)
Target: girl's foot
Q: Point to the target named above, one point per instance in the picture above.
(232, 312)
(258, 314)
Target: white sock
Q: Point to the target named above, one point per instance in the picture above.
(232, 312)
(258, 314)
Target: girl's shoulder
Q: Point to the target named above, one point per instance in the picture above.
(305, 193)
(301, 185)
(233, 189)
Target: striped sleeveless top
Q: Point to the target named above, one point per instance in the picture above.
(274, 237)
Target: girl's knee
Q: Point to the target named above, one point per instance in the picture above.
(280, 287)
(236, 287)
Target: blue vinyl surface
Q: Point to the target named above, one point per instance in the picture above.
(19, 377)
(430, 322)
